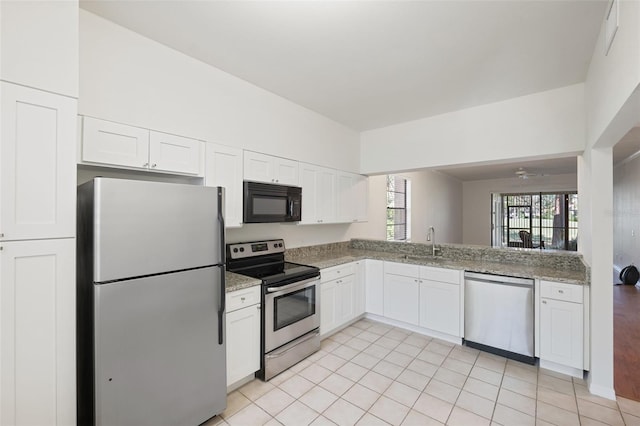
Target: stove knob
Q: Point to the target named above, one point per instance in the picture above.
(235, 250)
(241, 249)
(279, 244)
(275, 245)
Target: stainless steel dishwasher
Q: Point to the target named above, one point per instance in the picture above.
(498, 315)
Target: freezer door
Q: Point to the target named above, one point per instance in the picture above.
(157, 356)
(143, 228)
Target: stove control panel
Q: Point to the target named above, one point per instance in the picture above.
(256, 248)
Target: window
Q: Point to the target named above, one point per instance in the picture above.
(398, 196)
(536, 220)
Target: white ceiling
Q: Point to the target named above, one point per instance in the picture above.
(534, 169)
(370, 64)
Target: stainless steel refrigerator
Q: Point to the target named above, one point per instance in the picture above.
(151, 301)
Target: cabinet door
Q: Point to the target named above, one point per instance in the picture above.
(258, 167)
(440, 307)
(113, 143)
(329, 308)
(360, 291)
(347, 299)
(286, 171)
(326, 195)
(37, 164)
(345, 205)
(243, 343)
(175, 154)
(224, 168)
(374, 283)
(309, 181)
(561, 332)
(37, 317)
(401, 298)
(361, 198)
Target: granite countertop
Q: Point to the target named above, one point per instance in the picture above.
(340, 253)
(327, 260)
(235, 282)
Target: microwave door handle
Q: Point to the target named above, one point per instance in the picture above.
(290, 208)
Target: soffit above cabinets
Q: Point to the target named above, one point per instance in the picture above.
(371, 64)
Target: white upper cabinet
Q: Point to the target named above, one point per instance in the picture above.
(115, 144)
(40, 45)
(224, 168)
(353, 197)
(267, 168)
(361, 198)
(318, 194)
(37, 168)
(175, 154)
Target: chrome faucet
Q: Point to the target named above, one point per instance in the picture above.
(431, 236)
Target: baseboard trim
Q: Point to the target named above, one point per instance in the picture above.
(603, 391)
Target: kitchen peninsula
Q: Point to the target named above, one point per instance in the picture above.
(403, 285)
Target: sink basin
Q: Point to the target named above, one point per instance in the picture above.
(418, 258)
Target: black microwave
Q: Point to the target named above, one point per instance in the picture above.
(269, 203)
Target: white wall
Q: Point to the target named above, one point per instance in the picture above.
(436, 200)
(613, 108)
(476, 201)
(626, 214)
(544, 124)
(128, 78)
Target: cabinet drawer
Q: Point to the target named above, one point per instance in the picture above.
(402, 269)
(451, 276)
(331, 274)
(561, 291)
(242, 298)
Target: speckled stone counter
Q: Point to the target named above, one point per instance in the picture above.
(235, 282)
(558, 266)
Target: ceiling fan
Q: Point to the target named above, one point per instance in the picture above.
(523, 174)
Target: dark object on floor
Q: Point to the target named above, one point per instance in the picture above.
(629, 275)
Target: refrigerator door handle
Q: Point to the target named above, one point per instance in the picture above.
(223, 289)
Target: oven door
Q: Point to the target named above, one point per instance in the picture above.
(290, 311)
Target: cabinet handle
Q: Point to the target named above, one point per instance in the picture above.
(2, 235)
(242, 299)
(544, 301)
(145, 165)
(561, 291)
(277, 180)
(153, 165)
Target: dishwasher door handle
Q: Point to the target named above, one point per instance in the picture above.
(500, 283)
(498, 279)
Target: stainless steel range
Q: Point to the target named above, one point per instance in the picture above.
(290, 303)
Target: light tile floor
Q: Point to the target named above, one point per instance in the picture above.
(374, 374)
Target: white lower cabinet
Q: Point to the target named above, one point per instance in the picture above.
(37, 317)
(374, 287)
(562, 324)
(440, 300)
(401, 298)
(243, 333)
(340, 296)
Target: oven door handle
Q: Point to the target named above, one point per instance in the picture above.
(289, 286)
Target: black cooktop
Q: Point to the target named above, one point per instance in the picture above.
(265, 260)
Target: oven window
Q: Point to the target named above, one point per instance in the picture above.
(269, 206)
(293, 307)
